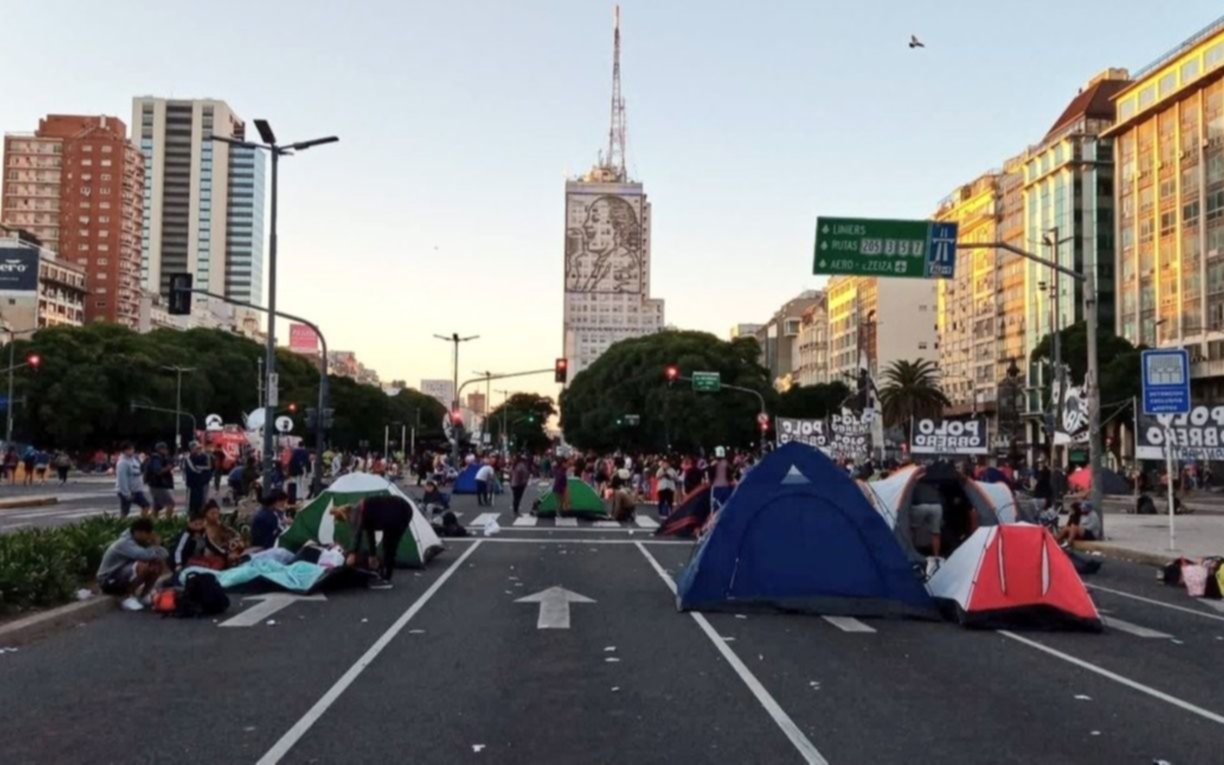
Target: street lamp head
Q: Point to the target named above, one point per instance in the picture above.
(236, 142)
(304, 145)
(265, 132)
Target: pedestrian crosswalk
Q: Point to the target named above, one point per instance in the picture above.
(482, 520)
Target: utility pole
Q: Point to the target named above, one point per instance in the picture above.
(260, 381)
(505, 436)
(12, 367)
(178, 403)
(454, 338)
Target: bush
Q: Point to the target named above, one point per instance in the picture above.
(40, 568)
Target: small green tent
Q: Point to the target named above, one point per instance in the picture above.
(582, 499)
(314, 521)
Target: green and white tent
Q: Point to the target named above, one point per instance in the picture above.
(314, 521)
(583, 502)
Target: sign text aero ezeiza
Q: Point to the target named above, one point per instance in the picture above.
(870, 247)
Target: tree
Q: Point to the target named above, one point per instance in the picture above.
(629, 378)
(910, 391)
(524, 415)
(813, 401)
(1119, 360)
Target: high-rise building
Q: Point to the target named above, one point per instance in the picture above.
(204, 199)
(476, 402)
(77, 183)
(607, 249)
(881, 320)
(40, 290)
(811, 346)
(777, 338)
(744, 330)
(1169, 146)
(443, 391)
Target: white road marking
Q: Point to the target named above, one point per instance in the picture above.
(1154, 693)
(606, 524)
(484, 519)
(1155, 602)
(848, 624)
(1133, 629)
(300, 728)
(270, 604)
(526, 520)
(554, 607)
(567, 523)
(807, 750)
(579, 542)
(646, 521)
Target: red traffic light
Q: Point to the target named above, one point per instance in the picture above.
(561, 370)
(456, 416)
(34, 360)
(293, 408)
(673, 372)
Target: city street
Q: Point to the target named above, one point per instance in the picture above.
(450, 665)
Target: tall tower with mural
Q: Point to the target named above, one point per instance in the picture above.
(607, 247)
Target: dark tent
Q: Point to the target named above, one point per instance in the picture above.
(466, 482)
(798, 534)
(687, 519)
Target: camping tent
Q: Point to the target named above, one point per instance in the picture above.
(1111, 482)
(1014, 575)
(799, 534)
(314, 521)
(687, 519)
(583, 501)
(892, 497)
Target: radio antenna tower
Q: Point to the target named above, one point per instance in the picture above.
(615, 158)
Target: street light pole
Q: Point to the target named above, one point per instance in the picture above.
(178, 403)
(12, 333)
(277, 151)
(454, 338)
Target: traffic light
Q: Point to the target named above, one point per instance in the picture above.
(34, 360)
(329, 415)
(292, 407)
(672, 372)
(531, 418)
(312, 417)
(180, 295)
(456, 417)
(561, 370)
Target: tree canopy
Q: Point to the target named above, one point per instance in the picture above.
(525, 415)
(1119, 360)
(630, 379)
(911, 389)
(80, 395)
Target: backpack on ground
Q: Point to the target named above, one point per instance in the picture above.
(201, 596)
(1171, 574)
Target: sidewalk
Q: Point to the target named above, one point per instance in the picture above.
(1145, 538)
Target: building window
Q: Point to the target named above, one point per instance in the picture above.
(105, 190)
(1213, 57)
(106, 149)
(83, 247)
(1189, 70)
(1147, 96)
(922, 346)
(1168, 84)
(106, 176)
(106, 163)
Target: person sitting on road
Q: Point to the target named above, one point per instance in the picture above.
(434, 501)
(1084, 524)
(623, 503)
(389, 514)
(132, 565)
(222, 541)
(269, 522)
(191, 547)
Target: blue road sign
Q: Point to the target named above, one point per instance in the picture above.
(941, 251)
(1166, 381)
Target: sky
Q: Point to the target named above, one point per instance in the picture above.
(442, 208)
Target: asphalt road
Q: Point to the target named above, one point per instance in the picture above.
(448, 667)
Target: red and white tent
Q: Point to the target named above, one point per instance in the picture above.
(1014, 575)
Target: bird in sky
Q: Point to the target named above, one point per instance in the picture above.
(915, 42)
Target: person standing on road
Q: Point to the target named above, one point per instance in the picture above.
(159, 475)
(129, 482)
(28, 457)
(197, 474)
(520, 476)
(560, 486)
(486, 476)
(41, 461)
(218, 468)
(389, 514)
(63, 463)
(666, 477)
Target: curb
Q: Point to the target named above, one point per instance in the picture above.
(1122, 553)
(42, 623)
(16, 503)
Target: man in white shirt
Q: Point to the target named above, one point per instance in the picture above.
(485, 477)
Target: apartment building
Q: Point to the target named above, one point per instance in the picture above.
(884, 320)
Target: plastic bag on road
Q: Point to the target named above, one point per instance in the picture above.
(1194, 575)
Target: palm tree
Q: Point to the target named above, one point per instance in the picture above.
(911, 391)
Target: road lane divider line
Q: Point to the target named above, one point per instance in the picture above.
(1155, 602)
(302, 726)
(848, 624)
(1206, 714)
(579, 542)
(567, 523)
(1134, 629)
(801, 742)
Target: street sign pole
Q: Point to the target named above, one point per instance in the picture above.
(1166, 390)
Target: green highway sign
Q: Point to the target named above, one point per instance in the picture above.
(707, 382)
(870, 247)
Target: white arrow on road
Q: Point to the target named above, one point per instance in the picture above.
(271, 603)
(554, 607)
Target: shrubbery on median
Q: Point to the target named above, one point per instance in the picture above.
(40, 568)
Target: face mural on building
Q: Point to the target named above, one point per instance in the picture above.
(604, 252)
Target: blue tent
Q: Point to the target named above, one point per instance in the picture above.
(798, 534)
(465, 483)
